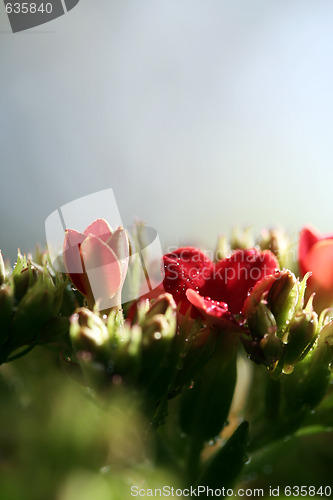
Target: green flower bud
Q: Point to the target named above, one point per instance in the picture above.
(301, 336)
(161, 305)
(271, 347)
(127, 356)
(156, 328)
(282, 299)
(242, 239)
(2, 270)
(24, 280)
(115, 326)
(88, 332)
(91, 343)
(158, 332)
(312, 375)
(40, 256)
(41, 303)
(278, 242)
(21, 263)
(261, 322)
(222, 248)
(6, 311)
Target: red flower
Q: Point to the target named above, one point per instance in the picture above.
(315, 255)
(217, 291)
(96, 261)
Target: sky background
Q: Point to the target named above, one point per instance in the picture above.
(200, 114)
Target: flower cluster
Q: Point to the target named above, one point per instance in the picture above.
(175, 351)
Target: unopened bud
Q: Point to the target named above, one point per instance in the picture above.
(301, 335)
(161, 305)
(282, 298)
(157, 336)
(88, 331)
(271, 347)
(316, 371)
(39, 305)
(261, 322)
(40, 256)
(160, 321)
(222, 248)
(242, 239)
(278, 242)
(23, 281)
(128, 353)
(6, 311)
(156, 328)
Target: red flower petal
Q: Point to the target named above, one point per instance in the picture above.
(103, 269)
(214, 312)
(205, 305)
(319, 260)
(186, 268)
(307, 239)
(72, 260)
(235, 276)
(99, 228)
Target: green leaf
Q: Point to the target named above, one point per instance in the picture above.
(205, 406)
(225, 466)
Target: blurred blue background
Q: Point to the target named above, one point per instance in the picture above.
(199, 114)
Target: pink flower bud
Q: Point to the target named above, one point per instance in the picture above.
(96, 262)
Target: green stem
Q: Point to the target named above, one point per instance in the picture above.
(193, 459)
